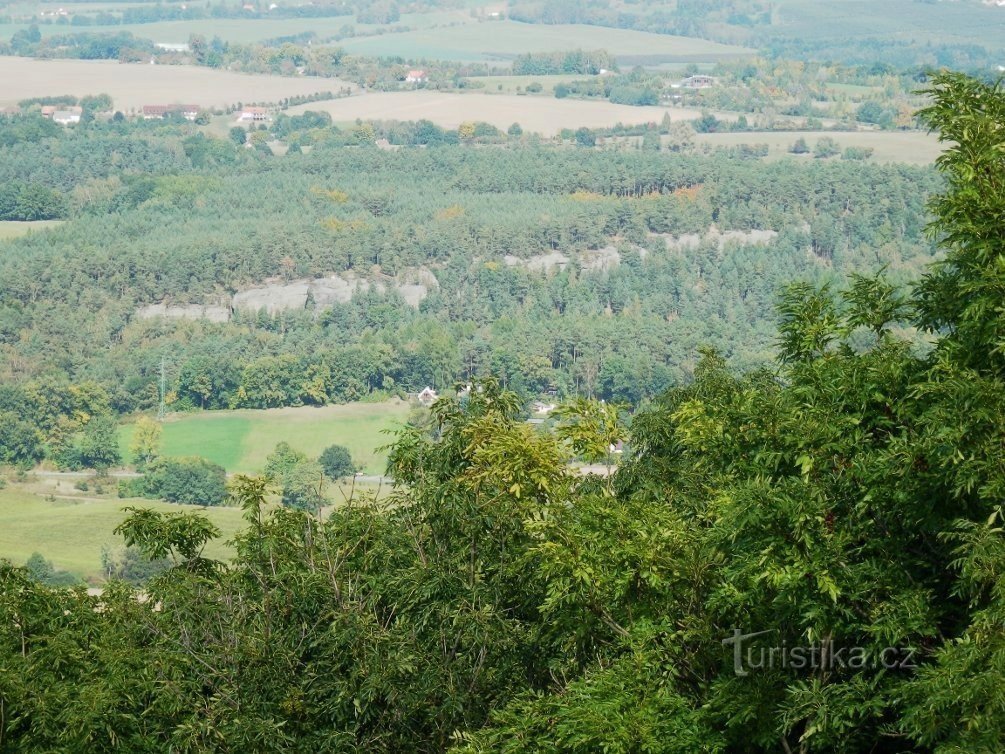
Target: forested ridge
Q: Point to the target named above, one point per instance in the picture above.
(165, 216)
(846, 496)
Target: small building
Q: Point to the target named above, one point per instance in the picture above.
(153, 112)
(427, 396)
(540, 407)
(173, 46)
(416, 77)
(253, 114)
(67, 115)
(697, 82)
(48, 111)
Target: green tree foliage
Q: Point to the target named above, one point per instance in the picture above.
(849, 496)
(96, 446)
(336, 462)
(301, 481)
(43, 571)
(195, 481)
(146, 441)
(20, 441)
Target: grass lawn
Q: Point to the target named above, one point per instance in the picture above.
(15, 228)
(241, 440)
(71, 533)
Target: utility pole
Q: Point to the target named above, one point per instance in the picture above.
(161, 410)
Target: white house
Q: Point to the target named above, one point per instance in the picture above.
(67, 115)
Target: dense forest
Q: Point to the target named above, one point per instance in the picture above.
(844, 500)
(559, 269)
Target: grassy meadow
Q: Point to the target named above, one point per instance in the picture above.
(241, 440)
(71, 530)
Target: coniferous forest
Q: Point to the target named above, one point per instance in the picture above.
(554, 269)
(801, 548)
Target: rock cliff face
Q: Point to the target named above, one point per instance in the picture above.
(184, 311)
(414, 284)
(298, 295)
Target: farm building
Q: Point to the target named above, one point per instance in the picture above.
(416, 77)
(427, 396)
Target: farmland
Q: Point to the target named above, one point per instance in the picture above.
(501, 40)
(71, 530)
(132, 86)
(544, 115)
(912, 147)
(238, 30)
(241, 440)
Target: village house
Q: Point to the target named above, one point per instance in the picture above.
(416, 77)
(427, 396)
(697, 82)
(67, 115)
(540, 407)
(255, 114)
(152, 112)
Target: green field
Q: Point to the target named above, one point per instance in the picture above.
(241, 440)
(501, 40)
(15, 228)
(71, 533)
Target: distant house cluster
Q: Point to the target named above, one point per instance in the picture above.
(253, 114)
(416, 77)
(63, 114)
(154, 112)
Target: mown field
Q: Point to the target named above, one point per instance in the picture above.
(912, 147)
(71, 532)
(543, 115)
(133, 85)
(16, 228)
(501, 40)
(240, 441)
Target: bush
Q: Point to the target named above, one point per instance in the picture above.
(857, 153)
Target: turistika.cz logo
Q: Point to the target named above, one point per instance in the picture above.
(751, 655)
